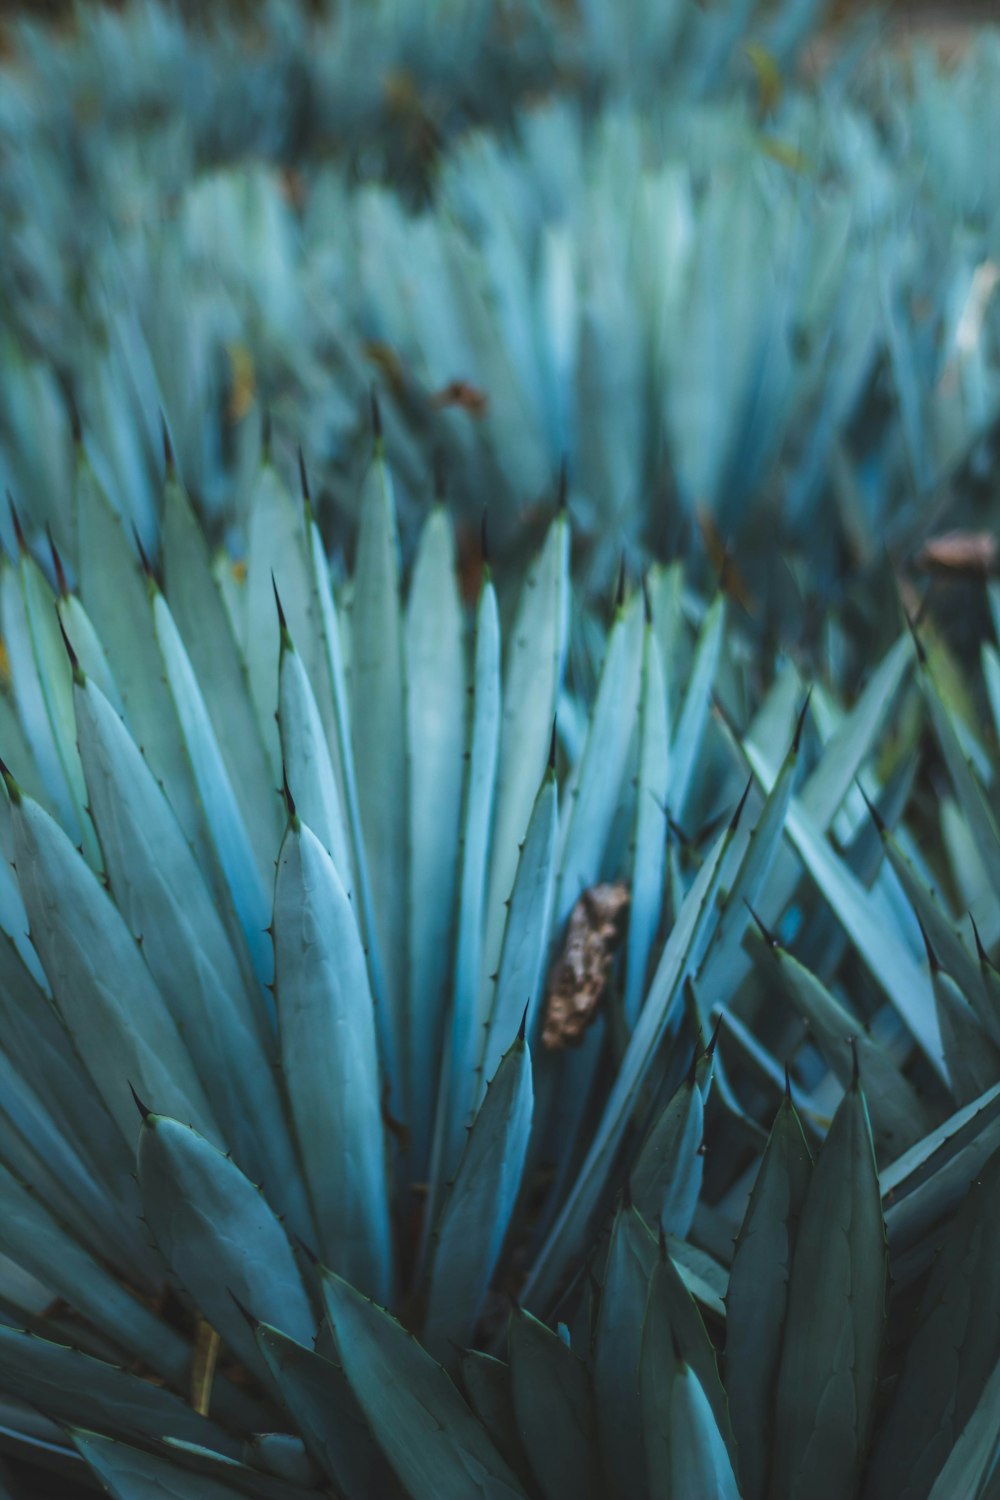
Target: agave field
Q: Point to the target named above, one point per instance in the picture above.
(500, 896)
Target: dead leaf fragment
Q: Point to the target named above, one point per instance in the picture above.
(962, 554)
(580, 976)
(463, 395)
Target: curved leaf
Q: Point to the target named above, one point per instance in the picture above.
(99, 980)
(326, 1029)
(480, 1205)
(757, 1297)
(225, 821)
(163, 897)
(219, 1237)
(650, 829)
(835, 1318)
(379, 734)
(430, 1438)
(631, 1260)
(555, 1412)
(326, 1413)
(435, 725)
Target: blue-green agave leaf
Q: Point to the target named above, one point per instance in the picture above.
(432, 1441)
(38, 1046)
(973, 1059)
(75, 1388)
(972, 799)
(231, 841)
(480, 1205)
(926, 1184)
(686, 745)
(116, 598)
(532, 682)
(278, 558)
(597, 788)
(835, 1318)
(555, 1413)
(897, 1114)
(436, 727)
(666, 1179)
(487, 1385)
(99, 979)
(972, 1461)
(699, 1462)
(219, 1237)
(757, 1298)
(319, 1398)
(631, 1259)
(131, 1474)
(326, 1029)
(882, 948)
(34, 1238)
(55, 680)
(951, 1353)
(521, 978)
(204, 626)
(342, 757)
(162, 895)
(463, 1043)
(29, 699)
(650, 828)
(282, 1454)
(378, 728)
(719, 972)
(205, 1464)
(851, 743)
(308, 767)
(673, 1325)
(88, 649)
(947, 943)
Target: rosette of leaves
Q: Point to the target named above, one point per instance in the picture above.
(279, 1127)
(737, 347)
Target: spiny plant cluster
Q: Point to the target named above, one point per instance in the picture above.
(581, 1078)
(758, 309)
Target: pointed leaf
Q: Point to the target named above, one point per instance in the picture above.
(598, 785)
(554, 1407)
(204, 626)
(650, 831)
(431, 1439)
(99, 980)
(631, 1259)
(326, 1028)
(532, 680)
(325, 1412)
(163, 897)
(435, 721)
(219, 1237)
(379, 736)
(666, 1178)
(225, 822)
(480, 1205)
(951, 1353)
(75, 1388)
(757, 1298)
(835, 1318)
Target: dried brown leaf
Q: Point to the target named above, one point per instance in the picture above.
(580, 976)
(961, 554)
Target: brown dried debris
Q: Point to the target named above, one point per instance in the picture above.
(960, 554)
(462, 394)
(580, 975)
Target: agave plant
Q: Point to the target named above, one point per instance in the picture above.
(783, 317)
(291, 1076)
